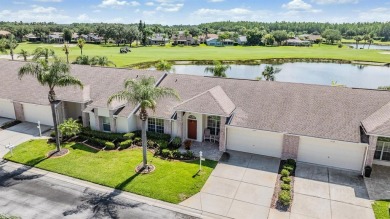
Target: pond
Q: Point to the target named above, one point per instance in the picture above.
(379, 47)
(311, 73)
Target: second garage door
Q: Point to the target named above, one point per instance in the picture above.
(34, 113)
(345, 155)
(254, 141)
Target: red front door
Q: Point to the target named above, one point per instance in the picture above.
(192, 126)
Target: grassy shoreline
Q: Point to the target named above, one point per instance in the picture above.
(203, 52)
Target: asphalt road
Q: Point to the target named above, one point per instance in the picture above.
(29, 195)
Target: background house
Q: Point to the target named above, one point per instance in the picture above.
(4, 33)
(241, 40)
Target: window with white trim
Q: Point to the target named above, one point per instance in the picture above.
(382, 151)
(155, 125)
(106, 124)
(214, 123)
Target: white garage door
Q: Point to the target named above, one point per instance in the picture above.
(7, 109)
(338, 154)
(254, 141)
(35, 113)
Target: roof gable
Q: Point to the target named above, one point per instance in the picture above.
(213, 101)
(378, 123)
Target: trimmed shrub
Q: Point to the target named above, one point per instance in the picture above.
(176, 143)
(284, 197)
(176, 154)
(286, 180)
(288, 167)
(129, 135)
(285, 173)
(109, 145)
(291, 162)
(104, 135)
(162, 144)
(188, 155)
(53, 134)
(284, 186)
(125, 144)
(138, 141)
(165, 153)
(154, 135)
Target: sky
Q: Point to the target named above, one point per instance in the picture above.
(170, 12)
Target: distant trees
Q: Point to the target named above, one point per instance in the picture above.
(331, 35)
(67, 35)
(268, 40)
(96, 60)
(254, 36)
(357, 40)
(280, 36)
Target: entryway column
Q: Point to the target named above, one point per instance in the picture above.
(222, 134)
(97, 119)
(290, 147)
(372, 140)
(112, 121)
(180, 132)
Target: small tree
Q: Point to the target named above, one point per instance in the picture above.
(66, 49)
(69, 128)
(23, 53)
(80, 44)
(163, 65)
(269, 73)
(12, 44)
(101, 61)
(218, 70)
(43, 53)
(357, 39)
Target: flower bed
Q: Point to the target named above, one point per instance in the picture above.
(283, 194)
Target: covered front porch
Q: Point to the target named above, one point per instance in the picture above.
(210, 150)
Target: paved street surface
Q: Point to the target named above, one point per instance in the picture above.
(30, 195)
(18, 134)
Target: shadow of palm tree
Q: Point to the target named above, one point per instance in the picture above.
(123, 184)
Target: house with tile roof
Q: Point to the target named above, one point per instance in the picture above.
(333, 126)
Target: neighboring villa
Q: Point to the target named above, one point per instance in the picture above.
(331, 126)
(241, 40)
(297, 42)
(158, 39)
(55, 37)
(217, 42)
(181, 39)
(204, 37)
(310, 37)
(4, 34)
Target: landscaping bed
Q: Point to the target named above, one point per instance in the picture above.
(172, 181)
(284, 187)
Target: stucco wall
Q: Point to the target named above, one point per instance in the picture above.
(92, 121)
(72, 110)
(371, 150)
(7, 109)
(122, 125)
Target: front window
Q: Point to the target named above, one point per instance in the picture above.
(382, 151)
(106, 124)
(155, 125)
(213, 123)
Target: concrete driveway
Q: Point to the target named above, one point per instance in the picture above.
(18, 134)
(378, 185)
(239, 187)
(321, 192)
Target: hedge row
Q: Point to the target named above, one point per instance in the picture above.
(284, 195)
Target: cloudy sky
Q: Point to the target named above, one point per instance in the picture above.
(193, 11)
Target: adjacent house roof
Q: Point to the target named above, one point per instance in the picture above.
(99, 84)
(213, 101)
(4, 33)
(302, 109)
(379, 122)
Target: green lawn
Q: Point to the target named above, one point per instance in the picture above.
(381, 209)
(361, 42)
(172, 181)
(154, 53)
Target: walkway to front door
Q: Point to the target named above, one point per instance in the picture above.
(192, 126)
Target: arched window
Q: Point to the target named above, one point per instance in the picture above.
(192, 117)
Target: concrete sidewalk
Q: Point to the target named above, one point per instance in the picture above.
(79, 184)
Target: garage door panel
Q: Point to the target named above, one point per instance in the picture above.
(7, 109)
(34, 113)
(254, 141)
(345, 155)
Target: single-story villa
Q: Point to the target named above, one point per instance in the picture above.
(242, 40)
(339, 127)
(217, 42)
(297, 42)
(158, 40)
(4, 33)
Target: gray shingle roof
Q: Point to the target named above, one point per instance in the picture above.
(99, 84)
(213, 101)
(301, 109)
(379, 122)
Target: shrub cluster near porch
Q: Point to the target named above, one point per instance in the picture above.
(173, 181)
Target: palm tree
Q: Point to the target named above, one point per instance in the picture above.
(357, 39)
(144, 93)
(163, 65)
(102, 61)
(80, 44)
(52, 75)
(3, 45)
(43, 53)
(370, 41)
(66, 49)
(218, 70)
(23, 53)
(269, 73)
(12, 44)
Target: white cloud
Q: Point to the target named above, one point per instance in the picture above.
(35, 14)
(376, 14)
(216, 1)
(149, 3)
(327, 2)
(117, 3)
(167, 7)
(299, 5)
(48, 0)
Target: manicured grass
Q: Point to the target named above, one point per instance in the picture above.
(172, 181)
(203, 52)
(361, 42)
(381, 209)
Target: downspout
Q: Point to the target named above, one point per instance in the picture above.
(365, 159)
(225, 138)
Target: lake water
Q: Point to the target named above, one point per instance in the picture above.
(310, 73)
(379, 47)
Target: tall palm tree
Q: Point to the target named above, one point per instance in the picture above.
(163, 65)
(52, 75)
(66, 49)
(12, 44)
(269, 73)
(218, 70)
(80, 44)
(101, 61)
(357, 39)
(146, 94)
(43, 53)
(23, 53)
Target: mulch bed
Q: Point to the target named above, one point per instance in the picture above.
(57, 154)
(275, 203)
(149, 168)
